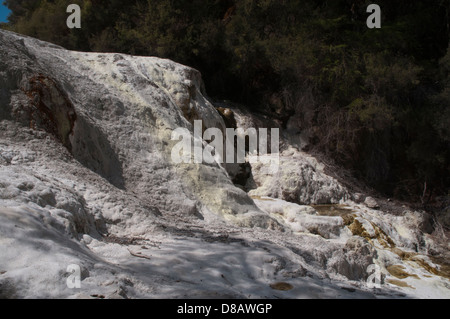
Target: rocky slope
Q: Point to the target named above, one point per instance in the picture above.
(86, 179)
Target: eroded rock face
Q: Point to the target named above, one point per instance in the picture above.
(86, 179)
(115, 114)
(299, 179)
(47, 108)
(353, 260)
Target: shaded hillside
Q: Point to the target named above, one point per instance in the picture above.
(374, 100)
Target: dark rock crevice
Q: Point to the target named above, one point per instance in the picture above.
(48, 108)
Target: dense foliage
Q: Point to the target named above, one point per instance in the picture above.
(375, 100)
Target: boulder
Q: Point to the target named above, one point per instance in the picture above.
(115, 115)
(371, 203)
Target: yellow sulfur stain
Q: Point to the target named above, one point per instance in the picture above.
(357, 229)
(399, 272)
(283, 286)
(399, 283)
(332, 210)
(443, 270)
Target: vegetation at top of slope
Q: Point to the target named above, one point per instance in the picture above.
(375, 100)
